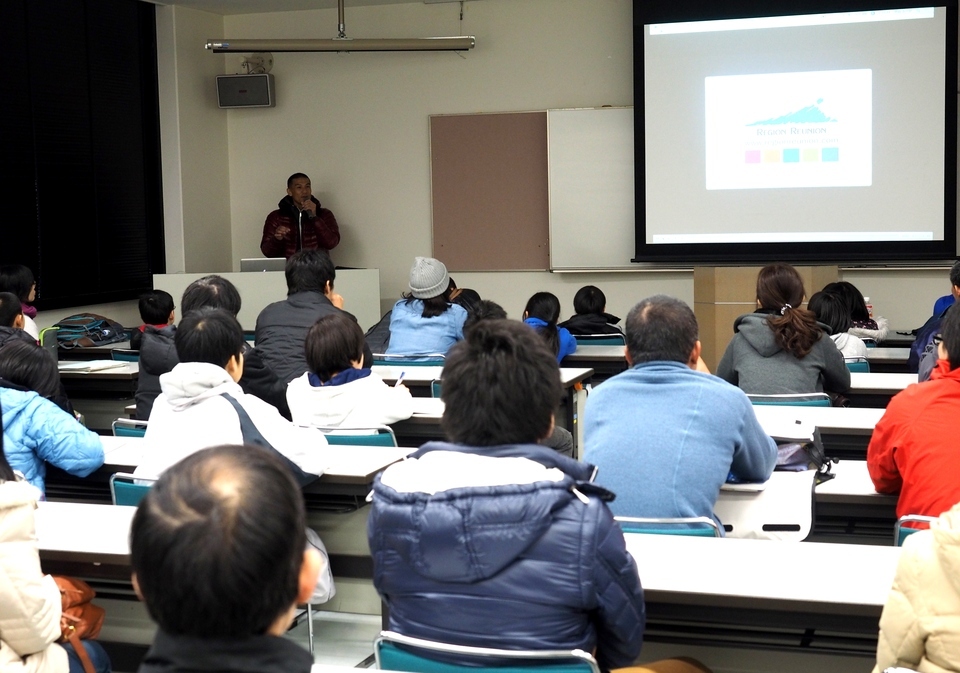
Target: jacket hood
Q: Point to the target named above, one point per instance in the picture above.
(191, 382)
(496, 501)
(754, 328)
(946, 536)
(17, 493)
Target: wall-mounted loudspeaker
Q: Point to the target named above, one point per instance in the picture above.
(246, 91)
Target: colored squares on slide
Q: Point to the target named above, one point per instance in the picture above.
(771, 156)
(831, 153)
(753, 156)
(791, 156)
(810, 154)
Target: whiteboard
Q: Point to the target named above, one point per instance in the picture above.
(591, 188)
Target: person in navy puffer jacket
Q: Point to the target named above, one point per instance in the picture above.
(492, 540)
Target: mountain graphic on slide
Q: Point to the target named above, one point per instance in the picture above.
(809, 114)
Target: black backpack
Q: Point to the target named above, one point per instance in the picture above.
(84, 330)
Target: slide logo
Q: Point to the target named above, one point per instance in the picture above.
(789, 130)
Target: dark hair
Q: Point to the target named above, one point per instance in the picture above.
(155, 307)
(18, 279)
(661, 328)
(950, 331)
(484, 310)
(468, 299)
(6, 472)
(208, 335)
(332, 344)
(546, 307)
(217, 543)
(830, 310)
(500, 386)
(589, 299)
(10, 308)
(433, 306)
(30, 366)
(309, 271)
(955, 274)
(780, 290)
(210, 292)
(296, 176)
(852, 298)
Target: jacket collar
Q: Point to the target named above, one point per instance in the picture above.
(580, 471)
(256, 654)
(943, 371)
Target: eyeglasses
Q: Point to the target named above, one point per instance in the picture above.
(937, 339)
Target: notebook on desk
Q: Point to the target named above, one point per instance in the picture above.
(89, 365)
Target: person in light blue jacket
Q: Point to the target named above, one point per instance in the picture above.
(425, 322)
(542, 313)
(663, 436)
(37, 431)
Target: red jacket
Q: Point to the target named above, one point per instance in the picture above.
(321, 231)
(915, 448)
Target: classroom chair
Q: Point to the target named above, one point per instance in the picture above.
(870, 343)
(419, 360)
(692, 526)
(793, 400)
(48, 339)
(125, 355)
(600, 340)
(125, 489)
(901, 531)
(128, 427)
(436, 388)
(396, 652)
(381, 435)
(859, 365)
(250, 336)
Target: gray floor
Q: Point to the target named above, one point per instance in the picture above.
(340, 638)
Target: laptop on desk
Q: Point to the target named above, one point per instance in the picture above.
(263, 264)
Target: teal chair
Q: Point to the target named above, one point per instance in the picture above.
(125, 355)
(870, 343)
(127, 427)
(378, 436)
(600, 340)
(901, 531)
(422, 360)
(396, 652)
(690, 526)
(794, 400)
(124, 490)
(436, 388)
(859, 365)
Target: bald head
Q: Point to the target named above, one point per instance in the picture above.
(661, 328)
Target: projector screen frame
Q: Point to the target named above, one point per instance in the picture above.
(879, 252)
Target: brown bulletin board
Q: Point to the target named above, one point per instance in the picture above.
(489, 185)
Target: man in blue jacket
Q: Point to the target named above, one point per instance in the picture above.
(492, 540)
(663, 436)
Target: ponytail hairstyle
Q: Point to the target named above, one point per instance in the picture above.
(780, 291)
(546, 307)
(6, 472)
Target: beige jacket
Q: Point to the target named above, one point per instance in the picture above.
(29, 601)
(920, 625)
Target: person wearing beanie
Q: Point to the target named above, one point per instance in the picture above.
(424, 321)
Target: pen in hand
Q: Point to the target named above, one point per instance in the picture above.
(399, 379)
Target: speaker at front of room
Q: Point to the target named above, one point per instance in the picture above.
(245, 91)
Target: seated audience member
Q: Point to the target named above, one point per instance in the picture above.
(30, 600)
(156, 310)
(30, 367)
(864, 326)
(485, 310)
(12, 320)
(780, 348)
(282, 326)
(337, 391)
(202, 405)
(217, 550)
(923, 352)
(590, 313)
(541, 313)
(918, 627)
(945, 302)
(425, 321)
(831, 312)
(19, 280)
(664, 436)
(913, 449)
(490, 528)
(36, 432)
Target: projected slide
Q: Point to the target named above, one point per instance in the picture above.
(789, 130)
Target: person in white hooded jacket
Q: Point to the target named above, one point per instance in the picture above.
(337, 391)
(920, 624)
(202, 405)
(831, 312)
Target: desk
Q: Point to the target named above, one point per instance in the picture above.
(845, 431)
(606, 361)
(84, 539)
(92, 353)
(101, 395)
(849, 505)
(793, 596)
(875, 389)
(889, 360)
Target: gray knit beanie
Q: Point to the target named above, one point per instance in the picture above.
(428, 278)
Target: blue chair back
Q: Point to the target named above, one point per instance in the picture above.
(692, 526)
(425, 360)
(600, 340)
(901, 531)
(123, 490)
(436, 388)
(859, 365)
(125, 355)
(811, 400)
(361, 437)
(395, 652)
(125, 427)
